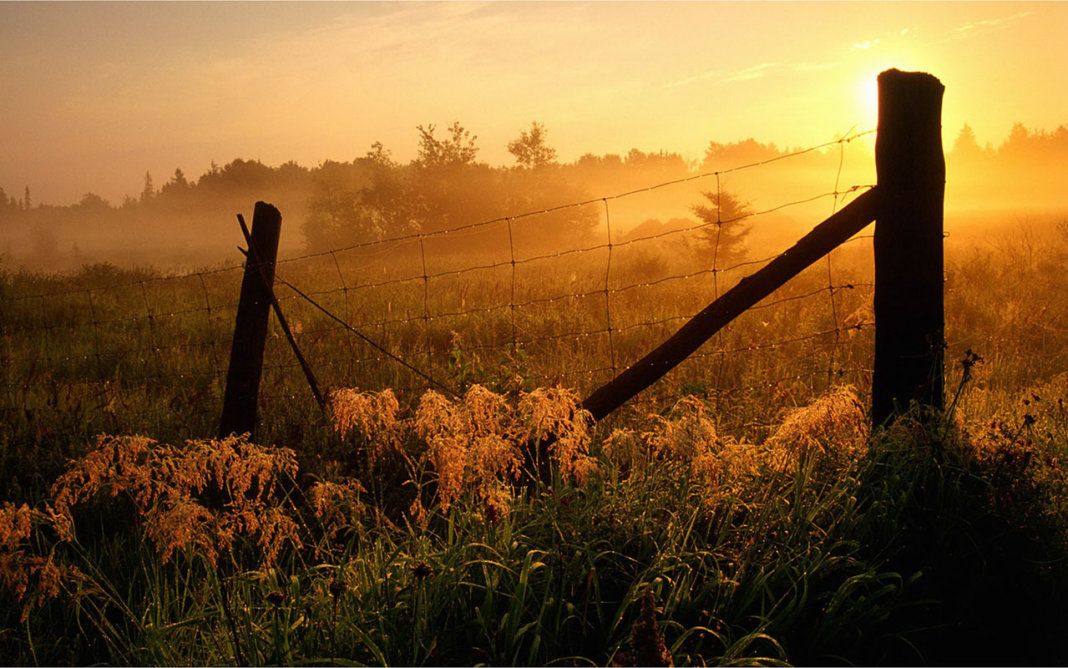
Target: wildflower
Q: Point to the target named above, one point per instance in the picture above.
(115, 460)
(32, 578)
(556, 412)
(688, 434)
(373, 416)
(468, 442)
(181, 525)
(419, 514)
(15, 524)
(337, 505)
(837, 418)
(171, 489)
(441, 424)
(647, 646)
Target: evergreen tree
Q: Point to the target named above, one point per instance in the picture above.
(149, 190)
(726, 229)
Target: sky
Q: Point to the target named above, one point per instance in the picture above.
(94, 94)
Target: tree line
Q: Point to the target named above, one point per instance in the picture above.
(446, 186)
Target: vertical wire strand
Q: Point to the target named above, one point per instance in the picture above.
(607, 293)
(721, 367)
(511, 296)
(830, 273)
(152, 330)
(207, 316)
(350, 370)
(96, 329)
(426, 307)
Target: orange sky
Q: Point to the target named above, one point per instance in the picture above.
(95, 94)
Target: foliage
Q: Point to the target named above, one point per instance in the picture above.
(679, 545)
(530, 148)
(724, 238)
(748, 521)
(456, 151)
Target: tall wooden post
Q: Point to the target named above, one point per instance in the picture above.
(909, 314)
(250, 329)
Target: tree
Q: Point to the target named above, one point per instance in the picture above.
(388, 199)
(457, 150)
(531, 150)
(177, 186)
(8, 204)
(733, 154)
(179, 178)
(726, 229)
(91, 202)
(368, 199)
(149, 190)
(966, 147)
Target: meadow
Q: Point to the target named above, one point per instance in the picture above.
(741, 511)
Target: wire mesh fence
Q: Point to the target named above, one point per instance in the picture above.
(510, 303)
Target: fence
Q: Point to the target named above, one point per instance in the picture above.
(411, 312)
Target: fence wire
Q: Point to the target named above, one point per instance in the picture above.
(128, 351)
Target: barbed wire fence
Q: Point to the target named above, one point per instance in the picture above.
(127, 351)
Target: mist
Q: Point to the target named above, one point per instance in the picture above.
(177, 222)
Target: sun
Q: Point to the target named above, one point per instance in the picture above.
(866, 89)
(866, 96)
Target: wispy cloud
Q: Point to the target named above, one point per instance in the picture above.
(752, 73)
(991, 23)
(866, 44)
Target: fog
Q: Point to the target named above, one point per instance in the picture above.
(178, 222)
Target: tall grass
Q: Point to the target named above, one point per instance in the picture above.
(821, 544)
(740, 512)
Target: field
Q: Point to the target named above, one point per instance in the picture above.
(740, 511)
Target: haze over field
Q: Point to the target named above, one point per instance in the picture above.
(542, 373)
(96, 94)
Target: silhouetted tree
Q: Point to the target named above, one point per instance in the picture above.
(178, 186)
(734, 154)
(456, 150)
(368, 199)
(8, 205)
(726, 232)
(149, 191)
(91, 202)
(388, 200)
(179, 178)
(530, 149)
(966, 146)
(333, 211)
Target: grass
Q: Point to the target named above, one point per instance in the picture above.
(740, 513)
(884, 554)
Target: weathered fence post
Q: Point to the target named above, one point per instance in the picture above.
(908, 303)
(250, 329)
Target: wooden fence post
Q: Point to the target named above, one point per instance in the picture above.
(250, 329)
(908, 302)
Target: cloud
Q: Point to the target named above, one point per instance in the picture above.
(745, 74)
(866, 44)
(752, 73)
(991, 23)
